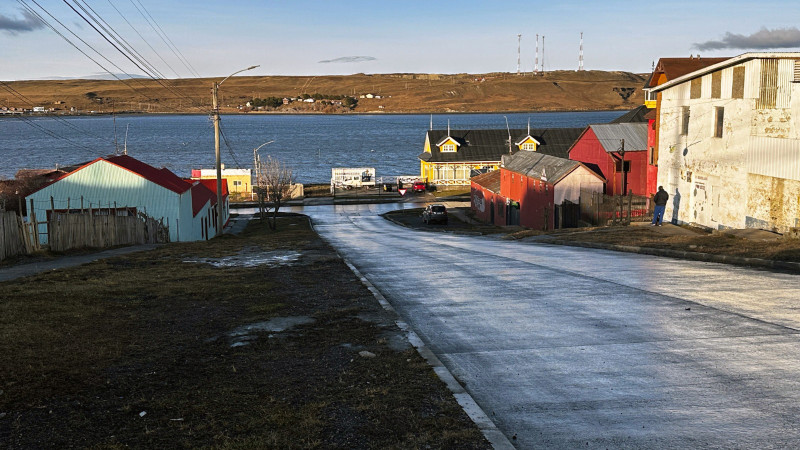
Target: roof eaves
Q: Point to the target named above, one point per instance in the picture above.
(727, 63)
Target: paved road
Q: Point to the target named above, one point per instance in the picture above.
(567, 347)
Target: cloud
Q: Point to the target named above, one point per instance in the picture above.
(760, 40)
(29, 22)
(348, 59)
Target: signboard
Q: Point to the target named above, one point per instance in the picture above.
(402, 191)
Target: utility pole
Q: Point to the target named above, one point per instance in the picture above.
(215, 107)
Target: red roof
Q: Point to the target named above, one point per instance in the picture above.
(205, 190)
(677, 67)
(162, 177)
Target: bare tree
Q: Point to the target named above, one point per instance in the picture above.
(274, 185)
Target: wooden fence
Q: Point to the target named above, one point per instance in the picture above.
(16, 236)
(68, 231)
(600, 209)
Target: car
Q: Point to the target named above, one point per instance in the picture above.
(434, 214)
(418, 186)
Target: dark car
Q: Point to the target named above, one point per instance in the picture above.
(435, 214)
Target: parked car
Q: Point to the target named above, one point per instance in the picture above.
(435, 214)
(419, 186)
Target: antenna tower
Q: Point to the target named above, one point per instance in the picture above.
(519, 46)
(542, 54)
(536, 60)
(580, 55)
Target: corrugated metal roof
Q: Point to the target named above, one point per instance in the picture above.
(535, 165)
(677, 67)
(635, 115)
(491, 145)
(489, 181)
(162, 177)
(611, 135)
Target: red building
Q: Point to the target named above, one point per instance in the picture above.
(614, 146)
(533, 190)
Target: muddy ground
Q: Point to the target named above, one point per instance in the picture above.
(263, 340)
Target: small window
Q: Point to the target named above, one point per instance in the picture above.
(684, 120)
(237, 183)
(719, 115)
(529, 146)
(716, 84)
(449, 148)
(737, 89)
(696, 88)
(627, 166)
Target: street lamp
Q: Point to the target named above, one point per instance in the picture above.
(257, 160)
(214, 90)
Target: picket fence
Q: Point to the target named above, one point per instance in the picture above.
(16, 236)
(68, 231)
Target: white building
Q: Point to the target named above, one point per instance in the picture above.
(124, 185)
(729, 143)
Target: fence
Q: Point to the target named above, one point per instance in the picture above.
(68, 231)
(601, 209)
(16, 236)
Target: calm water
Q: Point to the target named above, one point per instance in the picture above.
(310, 144)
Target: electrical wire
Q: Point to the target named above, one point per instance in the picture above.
(164, 37)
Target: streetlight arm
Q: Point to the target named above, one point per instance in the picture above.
(234, 73)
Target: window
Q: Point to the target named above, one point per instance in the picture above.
(716, 84)
(737, 90)
(650, 96)
(449, 148)
(696, 88)
(719, 114)
(653, 157)
(529, 146)
(684, 121)
(627, 166)
(768, 89)
(237, 183)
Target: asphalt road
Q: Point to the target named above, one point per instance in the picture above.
(575, 348)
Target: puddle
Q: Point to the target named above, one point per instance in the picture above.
(242, 336)
(252, 257)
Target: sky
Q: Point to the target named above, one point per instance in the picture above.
(214, 38)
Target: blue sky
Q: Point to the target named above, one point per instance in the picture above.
(292, 37)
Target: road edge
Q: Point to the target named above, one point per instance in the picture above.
(487, 427)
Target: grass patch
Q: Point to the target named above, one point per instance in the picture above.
(137, 351)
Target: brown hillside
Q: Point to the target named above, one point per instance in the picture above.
(401, 93)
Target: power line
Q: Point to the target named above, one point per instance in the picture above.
(164, 37)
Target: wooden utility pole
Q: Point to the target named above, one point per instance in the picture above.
(215, 107)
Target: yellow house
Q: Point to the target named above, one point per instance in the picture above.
(452, 157)
(239, 180)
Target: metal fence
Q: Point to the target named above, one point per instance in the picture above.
(601, 210)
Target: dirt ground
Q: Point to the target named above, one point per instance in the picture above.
(262, 340)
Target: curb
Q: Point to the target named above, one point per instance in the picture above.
(680, 254)
(464, 399)
(478, 416)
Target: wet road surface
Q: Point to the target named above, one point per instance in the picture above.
(567, 347)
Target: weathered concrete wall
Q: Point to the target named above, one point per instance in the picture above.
(750, 177)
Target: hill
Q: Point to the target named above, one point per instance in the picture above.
(400, 93)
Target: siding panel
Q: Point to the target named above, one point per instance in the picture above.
(774, 157)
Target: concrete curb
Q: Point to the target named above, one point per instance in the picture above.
(679, 254)
(473, 410)
(464, 399)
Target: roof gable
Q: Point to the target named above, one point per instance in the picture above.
(545, 167)
(612, 136)
(526, 139)
(447, 139)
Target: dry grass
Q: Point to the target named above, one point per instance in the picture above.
(405, 93)
(85, 351)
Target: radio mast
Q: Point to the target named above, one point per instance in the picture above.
(536, 60)
(580, 55)
(519, 46)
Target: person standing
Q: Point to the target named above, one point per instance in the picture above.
(660, 200)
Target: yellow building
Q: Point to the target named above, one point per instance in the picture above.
(452, 157)
(239, 180)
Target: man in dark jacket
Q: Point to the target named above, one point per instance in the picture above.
(660, 200)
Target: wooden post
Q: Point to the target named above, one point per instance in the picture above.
(52, 207)
(68, 207)
(81, 204)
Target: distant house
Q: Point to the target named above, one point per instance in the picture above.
(533, 190)
(452, 157)
(729, 139)
(124, 185)
(239, 180)
(605, 145)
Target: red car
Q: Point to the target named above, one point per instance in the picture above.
(419, 186)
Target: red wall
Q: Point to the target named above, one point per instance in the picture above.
(489, 200)
(535, 199)
(641, 177)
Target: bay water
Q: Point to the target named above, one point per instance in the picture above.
(310, 144)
